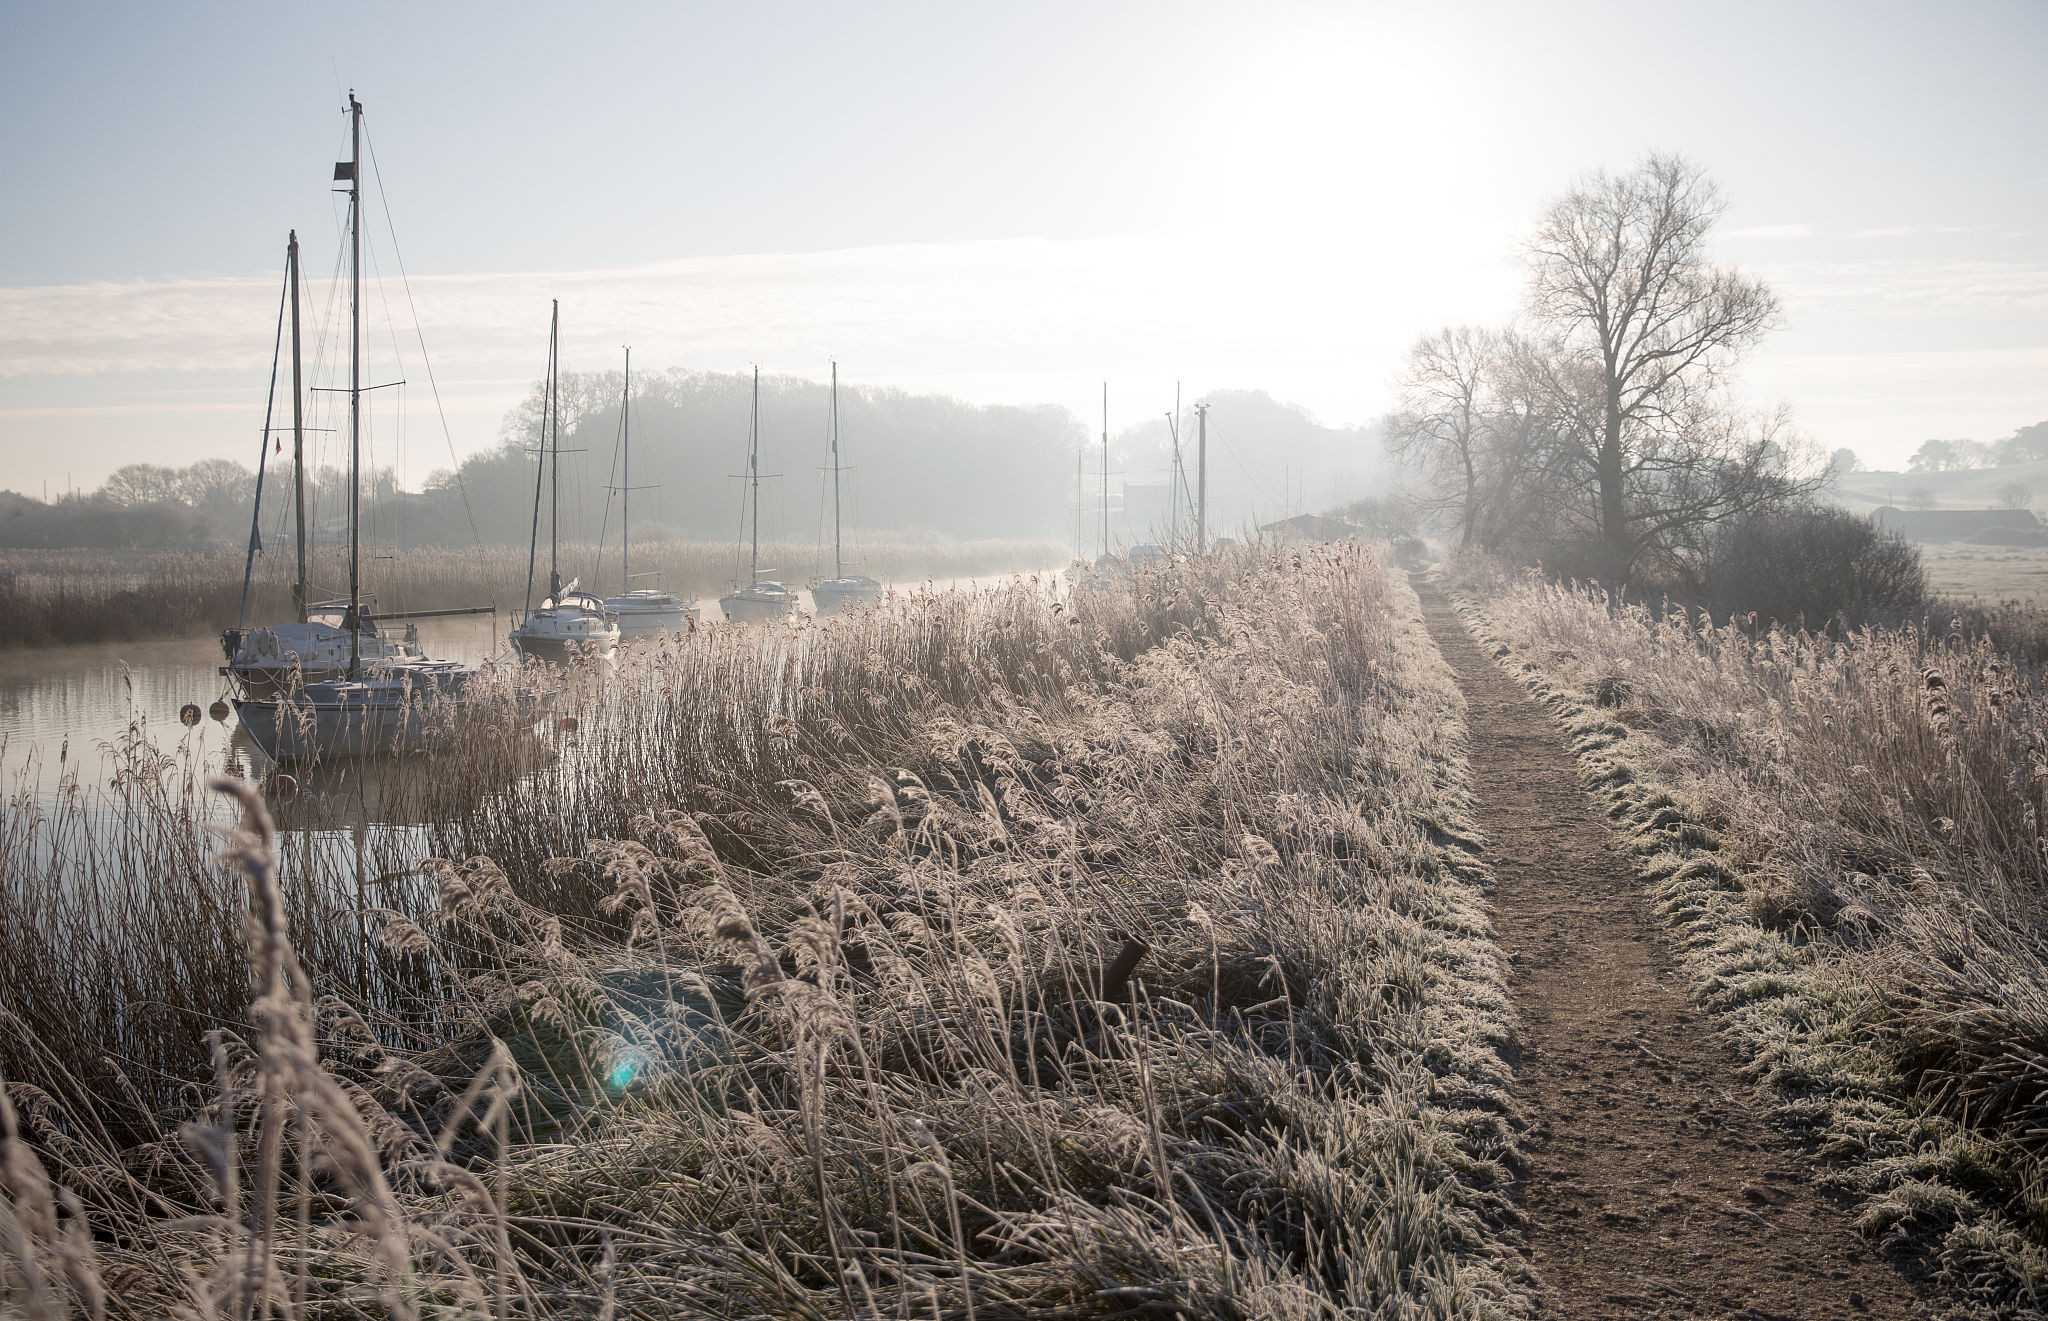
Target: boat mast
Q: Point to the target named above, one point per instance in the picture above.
(355, 382)
(1201, 478)
(754, 472)
(547, 403)
(555, 473)
(838, 568)
(1105, 468)
(626, 495)
(298, 429)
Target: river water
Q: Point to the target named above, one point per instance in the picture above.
(66, 709)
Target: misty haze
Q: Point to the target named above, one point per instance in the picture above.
(1077, 662)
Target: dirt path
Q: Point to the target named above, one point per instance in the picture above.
(1653, 1188)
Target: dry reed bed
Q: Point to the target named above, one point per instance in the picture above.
(786, 991)
(1845, 834)
(67, 596)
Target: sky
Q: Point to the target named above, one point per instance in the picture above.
(1009, 204)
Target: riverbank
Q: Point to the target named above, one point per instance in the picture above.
(55, 597)
(990, 953)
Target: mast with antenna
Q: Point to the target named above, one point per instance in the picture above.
(1202, 478)
(355, 380)
(298, 430)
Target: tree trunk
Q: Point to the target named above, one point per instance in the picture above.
(1615, 552)
(1471, 500)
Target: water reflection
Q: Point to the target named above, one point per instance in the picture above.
(65, 709)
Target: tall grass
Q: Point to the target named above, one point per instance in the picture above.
(63, 596)
(1848, 832)
(800, 982)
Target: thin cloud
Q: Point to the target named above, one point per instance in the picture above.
(1799, 231)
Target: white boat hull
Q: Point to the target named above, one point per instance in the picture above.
(562, 631)
(763, 603)
(378, 718)
(650, 615)
(840, 595)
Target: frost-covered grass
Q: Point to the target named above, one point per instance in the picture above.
(797, 993)
(1845, 836)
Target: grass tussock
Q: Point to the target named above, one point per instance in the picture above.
(988, 955)
(51, 597)
(1846, 835)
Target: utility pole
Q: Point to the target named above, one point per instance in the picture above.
(1105, 469)
(1202, 479)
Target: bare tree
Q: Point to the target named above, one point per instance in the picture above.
(1440, 428)
(1636, 333)
(2014, 495)
(141, 484)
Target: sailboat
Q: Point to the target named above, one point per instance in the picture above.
(642, 612)
(315, 647)
(842, 591)
(760, 601)
(569, 623)
(388, 700)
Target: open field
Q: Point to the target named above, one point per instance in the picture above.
(1843, 837)
(1988, 574)
(805, 987)
(61, 596)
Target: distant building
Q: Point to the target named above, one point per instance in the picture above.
(1942, 525)
(1311, 527)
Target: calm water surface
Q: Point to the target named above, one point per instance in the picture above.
(66, 708)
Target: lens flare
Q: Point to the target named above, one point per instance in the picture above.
(626, 1068)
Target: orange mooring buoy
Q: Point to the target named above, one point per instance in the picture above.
(567, 724)
(219, 710)
(189, 713)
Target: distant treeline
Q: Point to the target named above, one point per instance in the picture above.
(2027, 445)
(917, 465)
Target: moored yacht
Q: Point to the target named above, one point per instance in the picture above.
(643, 612)
(273, 659)
(401, 708)
(843, 591)
(332, 684)
(569, 623)
(837, 595)
(647, 613)
(760, 601)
